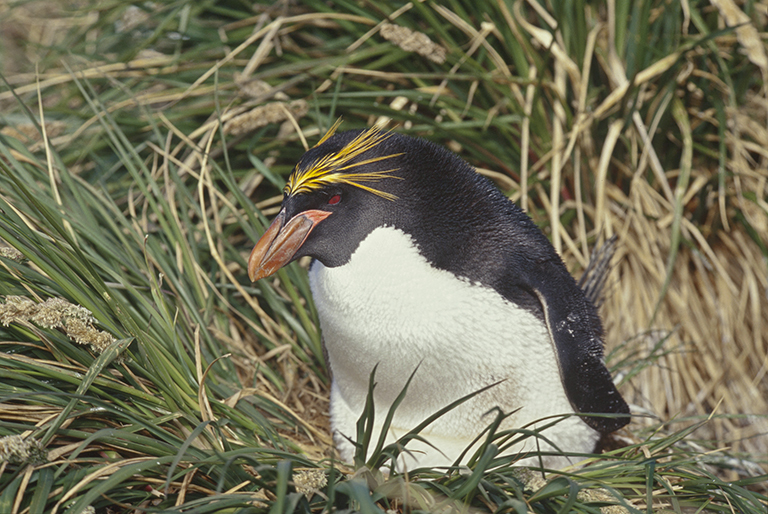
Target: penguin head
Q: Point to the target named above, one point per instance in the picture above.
(340, 190)
(352, 182)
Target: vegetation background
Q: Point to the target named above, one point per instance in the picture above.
(144, 146)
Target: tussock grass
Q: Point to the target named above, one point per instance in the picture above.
(143, 158)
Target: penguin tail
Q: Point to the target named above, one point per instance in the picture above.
(592, 282)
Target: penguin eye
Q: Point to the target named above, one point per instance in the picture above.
(334, 199)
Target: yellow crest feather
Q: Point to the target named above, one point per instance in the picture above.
(333, 168)
(331, 131)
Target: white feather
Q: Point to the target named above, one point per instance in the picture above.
(389, 306)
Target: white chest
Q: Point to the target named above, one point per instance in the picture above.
(389, 307)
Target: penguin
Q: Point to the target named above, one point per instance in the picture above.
(420, 266)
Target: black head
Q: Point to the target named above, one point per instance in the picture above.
(356, 181)
(338, 193)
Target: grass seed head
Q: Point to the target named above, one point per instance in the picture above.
(274, 112)
(412, 41)
(11, 253)
(14, 449)
(76, 321)
(309, 481)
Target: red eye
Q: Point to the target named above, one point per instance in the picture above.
(334, 199)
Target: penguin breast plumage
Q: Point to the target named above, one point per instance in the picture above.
(421, 266)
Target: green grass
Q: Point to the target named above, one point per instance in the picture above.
(188, 388)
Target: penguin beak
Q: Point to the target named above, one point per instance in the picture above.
(281, 241)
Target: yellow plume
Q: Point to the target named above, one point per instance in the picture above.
(333, 168)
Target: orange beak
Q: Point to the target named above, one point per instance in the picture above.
(281, 241)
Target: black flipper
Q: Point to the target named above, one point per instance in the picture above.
(576, 330)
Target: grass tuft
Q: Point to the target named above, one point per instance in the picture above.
(144, 147)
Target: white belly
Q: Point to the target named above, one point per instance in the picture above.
(389, 306)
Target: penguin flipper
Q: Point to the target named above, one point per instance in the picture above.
(576, 332)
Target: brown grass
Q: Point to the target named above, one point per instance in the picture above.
(708, 295)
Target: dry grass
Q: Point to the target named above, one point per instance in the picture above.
(666, 150)
(713, 303)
